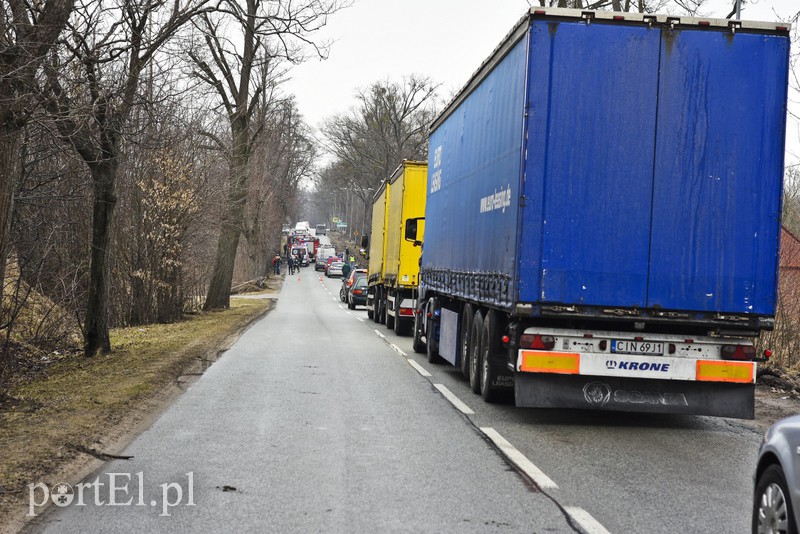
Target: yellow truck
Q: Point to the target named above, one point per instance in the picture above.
(393, 261)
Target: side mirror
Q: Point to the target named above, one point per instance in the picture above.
(412, 230)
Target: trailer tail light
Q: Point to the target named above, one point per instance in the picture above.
(536, 341)
(738, 352)
(767, 354)
(505, 340)
(406, 312)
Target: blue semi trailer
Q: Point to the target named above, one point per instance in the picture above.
(603, 213)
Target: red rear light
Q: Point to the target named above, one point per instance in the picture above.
(505, 340)
(406, 312)
(536, 341)
(430, 315)
(738, 352)
(768, 354)
(357, 292)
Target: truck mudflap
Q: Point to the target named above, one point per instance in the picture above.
(609, 393)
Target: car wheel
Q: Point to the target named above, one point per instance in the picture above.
(772, 509)
(464, 344)
(351, 304)
(417, 344)
(430, 346)
(475, 364)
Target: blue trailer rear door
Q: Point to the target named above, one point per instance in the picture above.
(589, 163)
(718, 171)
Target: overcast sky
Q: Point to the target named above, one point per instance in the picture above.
(444, 39)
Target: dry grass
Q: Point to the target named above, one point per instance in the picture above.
(92, 402)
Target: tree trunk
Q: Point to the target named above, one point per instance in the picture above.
(95, 331)
(10, 138)
(219, 289)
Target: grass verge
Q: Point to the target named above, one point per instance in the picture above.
(84, 407)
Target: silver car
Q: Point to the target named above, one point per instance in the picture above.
(776, 502)
(334, 269)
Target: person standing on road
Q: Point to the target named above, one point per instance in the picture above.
(290, 264)
(276, 262)
(346, 270)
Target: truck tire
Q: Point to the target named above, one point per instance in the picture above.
(417, 344)
(430, 345)
(390, 319)
(400, 327)
(489, 347)
(475, 364)
(376, 309)
(464, 345)
(383, 308)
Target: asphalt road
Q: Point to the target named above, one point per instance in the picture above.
(313, 423)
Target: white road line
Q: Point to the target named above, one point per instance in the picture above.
(519, 459)
(334, 298)
(455, 401)
(421, 370)
(397, 349)
(341, 307)
(380, 335)
(347, 312)
(360, 319)
(588, 523)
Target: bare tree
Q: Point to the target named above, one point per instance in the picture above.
(28, 30)
(91, 87)
(241, 71)
(389, 124)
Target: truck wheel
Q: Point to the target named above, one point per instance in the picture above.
(370, 312)
(376, 309)
(399, 326)
(417, 344)
(475, 364)
(430, 345)
(488, 349)
(464, 345)
(390, 319)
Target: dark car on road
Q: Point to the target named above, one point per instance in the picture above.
(357, 293)
(776, 500)
(347, 282)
